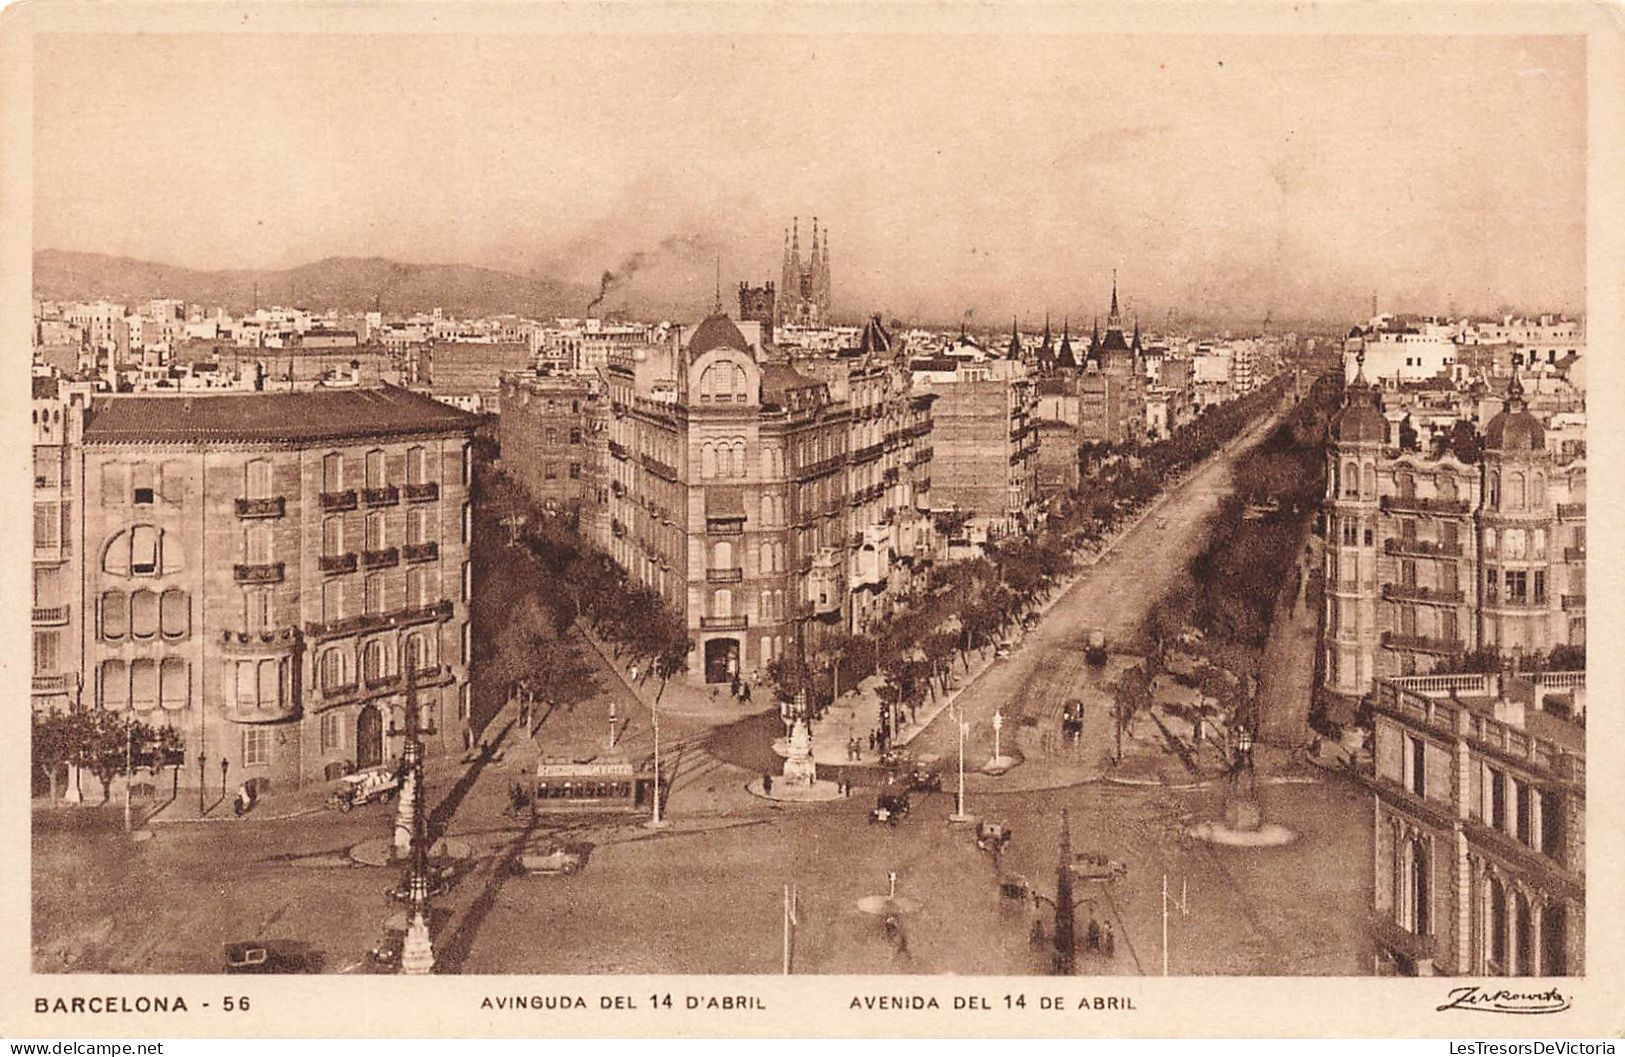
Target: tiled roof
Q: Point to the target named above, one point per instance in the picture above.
(309, 415)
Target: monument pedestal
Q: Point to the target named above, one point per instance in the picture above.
(799, 768)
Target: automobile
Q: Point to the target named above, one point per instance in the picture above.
(1095, 649)
(363, 787)
(992, 836)
(1072, 718)
(271, 956)
(556, 859)
(890, 806)
(925, 780)
(1093, 866)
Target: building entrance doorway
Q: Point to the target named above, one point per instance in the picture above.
(721, 660)
(369, 738)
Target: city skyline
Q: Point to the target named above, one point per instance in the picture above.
(1221, 177)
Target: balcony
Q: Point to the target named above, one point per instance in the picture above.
(260, 641)
(1574, 554)
(724, 576)
(376, 621)
(869, 454)
(725, 526)
(1393, 640)
(617, 449)
(724, 623)
(1571, 511)
(388, 495)
(1418, 505)
(1574, 602)
(48, 615)
(272, 507)
(53, 684)
(1421, 548)
(421, 493)
(382, 558)
(1415, 593)
(337, 563)
(333, 502)
(421, 552)
(265, 573)
(664, 471)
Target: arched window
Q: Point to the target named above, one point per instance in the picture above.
(1446, 486)
(417, 653)
(332, 472)
(375, 469)
(722, 555)
(1495, 489)
(175, 614)
(1415, 887)
(115, 615)
(708, 460)
(115, 685)
(144, 684)
(332, 601)
(332, 536)
(144, 614)
(739, 458)
(257, 479)
(332, 670)
(175, 684)
(374, 661)
(1495, 926)
(1515, 491)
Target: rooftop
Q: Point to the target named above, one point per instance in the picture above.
(312, 415)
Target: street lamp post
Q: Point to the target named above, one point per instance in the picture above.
(964, 728)
(129, 770)
(998, 724)
(417, 952)
(612, 723)
(656, 822)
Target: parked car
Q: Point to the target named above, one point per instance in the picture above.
(556, 859)
(271, 956)
(1095, 649)
(925, 780)
(890, 806)
(363, 787)
(1093, 866)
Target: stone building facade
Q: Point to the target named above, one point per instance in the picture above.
(261, 568)
(1479, 825)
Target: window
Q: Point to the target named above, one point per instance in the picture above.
(550, 471)
(375, 469)
(257, 543)
(175, 682)
(175, 614)
(375, 531)
(417, 466)
(143, 614)
(550, 436)
(374, 662)
(1416, 766)
(416, 653)
(467, 463)
(415, 594)
(468, 581)
(575, 436)
(142, 488)
(468, 522)
(465, 639)
(143, 550)
(332, 536)
(144, 684)
(333, 732)
(256, 747)
(1517, 585)
(332, 472)
(47, 525)
(115, 615)
(417, 526)
(45, 652)
(373, 594)
(115, 684)
(1498, 800)
(331, 671)
(575, 471)
(257, 483)
(332, 601)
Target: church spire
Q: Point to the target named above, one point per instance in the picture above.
(1015, 339)
(1114, 318)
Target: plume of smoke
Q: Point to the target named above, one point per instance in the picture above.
(673, 248)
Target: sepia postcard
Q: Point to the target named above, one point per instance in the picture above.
(812, 520)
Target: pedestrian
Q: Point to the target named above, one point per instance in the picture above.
(767, 784)
(1109, 941)
(871, 741)
(1092, 934)
(735, 686)
(746, 698)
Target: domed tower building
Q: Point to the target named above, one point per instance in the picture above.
(1529, 574)
(1353, 509)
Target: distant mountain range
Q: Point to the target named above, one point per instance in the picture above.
(349, 284)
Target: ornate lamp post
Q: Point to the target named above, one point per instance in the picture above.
(417, 953)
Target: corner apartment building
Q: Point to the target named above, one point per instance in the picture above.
(1429, 557)
(552, 432)
(260, 569)
(1479, 825)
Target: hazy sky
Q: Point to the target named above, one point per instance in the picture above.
(1000, 174)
